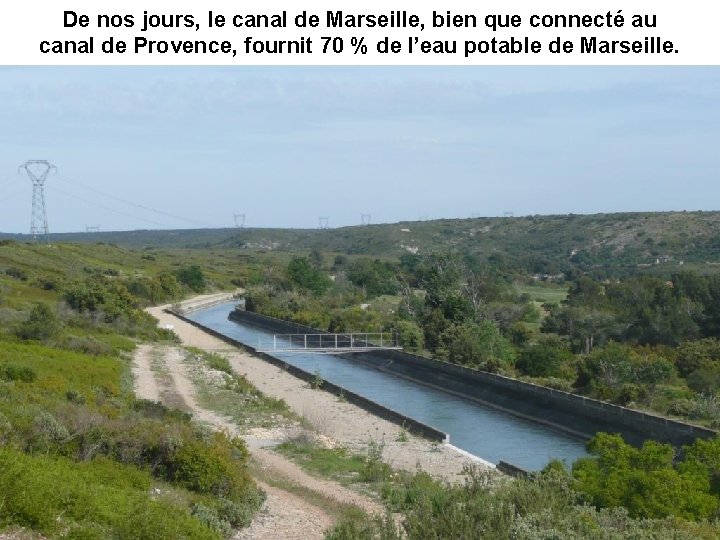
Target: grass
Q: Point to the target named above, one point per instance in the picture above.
(541, 293)
(334, 463)
(335, 509)
(59, 371)
(234, 396)
(340, 465)
(81, 458)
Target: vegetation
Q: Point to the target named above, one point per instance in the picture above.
(555, 503)
(80, 456)
(232, 395)
(622, 308)
(602, 244)
(641, 341)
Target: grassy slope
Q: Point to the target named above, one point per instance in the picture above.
(615, 239)
(73, 440)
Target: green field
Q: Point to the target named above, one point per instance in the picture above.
(542, 293)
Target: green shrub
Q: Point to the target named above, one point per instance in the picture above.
(375, 469)
(214, 468)
(41, 324)
(17, 273)
(99, 499)
(548, 357)
(209, 516)
(192, 277)
(13, 372)
(74, 396)
(218, 362)
(87, 345)
(410, 335)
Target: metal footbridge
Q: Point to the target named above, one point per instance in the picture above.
(329, 343)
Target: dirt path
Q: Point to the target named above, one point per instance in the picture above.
(145, 384)
(285, 515)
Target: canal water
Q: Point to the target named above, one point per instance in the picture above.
(483, 431)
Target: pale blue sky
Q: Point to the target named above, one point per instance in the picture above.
(286, 145)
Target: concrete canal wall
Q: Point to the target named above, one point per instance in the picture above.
(408, 423)
(571, 413)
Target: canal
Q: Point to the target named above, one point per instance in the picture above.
(488, 433)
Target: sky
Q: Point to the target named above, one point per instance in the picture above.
(145, 148)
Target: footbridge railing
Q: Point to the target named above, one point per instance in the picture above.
(329, 343)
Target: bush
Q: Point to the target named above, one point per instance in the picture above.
(13, 372)
(548, 357)
(17, 273)
(647, 481)
(87, 345)
(41, 324)
(192, 277)
(479, 345)
(410, 335)
(705, 380)
(99, 499)
(219, 363)
(303, 273)
(211, 468)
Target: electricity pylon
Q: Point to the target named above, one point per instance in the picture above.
(38, 170)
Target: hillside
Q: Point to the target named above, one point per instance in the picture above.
(536, 244)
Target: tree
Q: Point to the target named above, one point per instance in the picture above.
(652, 370)
(585, 327)
(701, 353)
(479, 345)
(374, 276)
(644, 480)
(547, 357)
(316, 258)
(192, 277)
(41, 324)
(303, 274)
(410, 335)
(606, 369)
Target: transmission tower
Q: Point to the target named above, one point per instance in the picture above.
(239, 220)
(37, 171)
(323, 222)
(365, 219)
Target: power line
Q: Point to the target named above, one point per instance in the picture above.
(9, 195)
(114, 211)
(136, 205)
(8, 184)
(8, 181)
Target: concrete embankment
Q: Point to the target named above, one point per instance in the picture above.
(571, 413)
(386, 413)
(206, 301)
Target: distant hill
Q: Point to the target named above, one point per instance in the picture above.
(537, 244)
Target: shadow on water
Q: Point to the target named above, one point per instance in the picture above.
(486, 432)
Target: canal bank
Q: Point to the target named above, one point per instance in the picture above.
(474, 427)
(575, 415)
(340, 423)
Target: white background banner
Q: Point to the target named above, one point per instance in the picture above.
(220, 32)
